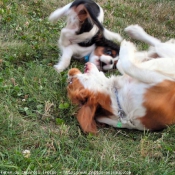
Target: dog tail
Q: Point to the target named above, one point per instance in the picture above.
(111, 35)
(54, 16)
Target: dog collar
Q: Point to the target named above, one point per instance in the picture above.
(121, 112)
(86, 58)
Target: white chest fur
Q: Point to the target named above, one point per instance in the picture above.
(131, 97)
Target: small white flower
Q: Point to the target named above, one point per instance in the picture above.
(26, 153)
(26, 24)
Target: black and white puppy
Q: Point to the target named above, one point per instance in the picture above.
(83, 30)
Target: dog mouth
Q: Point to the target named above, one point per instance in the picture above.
(86, 69)
(102, 64)
(88, 66)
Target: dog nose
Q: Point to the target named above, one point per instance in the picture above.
(111, 62)
(103, 64)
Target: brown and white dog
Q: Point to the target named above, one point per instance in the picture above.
(83, 30)
(142, 98)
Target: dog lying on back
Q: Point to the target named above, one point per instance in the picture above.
(142, 98)
(83, 30)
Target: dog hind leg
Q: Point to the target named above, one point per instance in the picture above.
(64, 60)
(137, 32)
(165, 50)
(115, 122)
(112, 35)
(54, 16)
(127, 53)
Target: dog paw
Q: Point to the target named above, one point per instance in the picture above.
(58, 68)
(171, 41)
(135, 31)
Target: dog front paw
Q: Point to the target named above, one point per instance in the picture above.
(58, 68)
(135, 31)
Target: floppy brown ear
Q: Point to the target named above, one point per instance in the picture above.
(86, 118)
(86, 114)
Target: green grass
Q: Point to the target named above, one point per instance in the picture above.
(35, 113)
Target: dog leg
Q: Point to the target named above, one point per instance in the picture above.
(107, 121)
(54, 16)
(112, 35)
(84, 36)
(127, 53)
(165, 50)
(95, 60)
(137, 32)
(115, 122)
(64, 60)
(66, 36)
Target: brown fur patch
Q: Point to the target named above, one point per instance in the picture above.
(99, 51)
(81, 12)
(114, 53)
(89, 102)
(160, 105)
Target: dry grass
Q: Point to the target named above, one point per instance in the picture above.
(35, 112)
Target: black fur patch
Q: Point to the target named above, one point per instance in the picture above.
(102, 41)
(98, 39)
(85, 27)
(89, 42)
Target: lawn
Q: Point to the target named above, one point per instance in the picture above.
(35, 113)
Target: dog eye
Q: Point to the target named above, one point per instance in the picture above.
(108, 52)
(84, 101)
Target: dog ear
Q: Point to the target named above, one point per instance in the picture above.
(76, 92)
(82, 15)
(87, 101)
(82, 12)
(86, 118)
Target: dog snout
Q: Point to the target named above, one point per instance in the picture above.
(111, 62)
(104, 63)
